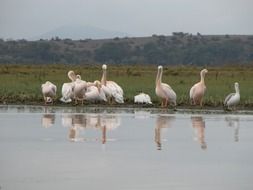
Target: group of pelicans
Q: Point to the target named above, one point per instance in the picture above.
(108, 91)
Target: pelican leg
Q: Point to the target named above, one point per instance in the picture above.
(158, 138)
(45, 100)
(166, 103)
(192, 102)
(104, 135)
(162, 104)
(201, 103)
(174, 106)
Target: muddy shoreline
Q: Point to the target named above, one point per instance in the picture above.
(128, 108)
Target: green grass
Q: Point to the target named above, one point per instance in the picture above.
(21, 83)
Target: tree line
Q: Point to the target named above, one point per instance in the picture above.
(179, 48)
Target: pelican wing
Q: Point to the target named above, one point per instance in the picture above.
(228, 98)
(169, 91)
(114, 86)
(107, 91)
(54, 89)
(192, 91)
(67, 92)
(116, 91)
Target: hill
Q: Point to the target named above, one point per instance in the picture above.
(180, 48)
(76, 32)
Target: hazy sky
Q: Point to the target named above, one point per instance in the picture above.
(29, 18)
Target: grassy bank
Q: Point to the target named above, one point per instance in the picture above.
(21, 84)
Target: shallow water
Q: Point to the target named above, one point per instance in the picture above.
(129, 149)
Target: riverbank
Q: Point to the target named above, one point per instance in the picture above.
(21, 84)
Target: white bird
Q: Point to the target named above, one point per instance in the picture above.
(111, 88)
(142, 98)
(67, 88)
(95, 93)
(164, 91)
(49, 91)
(80, 88)
(233, 98)
(197, 91)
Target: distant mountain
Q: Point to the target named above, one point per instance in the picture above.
(77, 32)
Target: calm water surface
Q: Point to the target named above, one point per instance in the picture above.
(64, 148)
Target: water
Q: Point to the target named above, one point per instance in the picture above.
(64, 148)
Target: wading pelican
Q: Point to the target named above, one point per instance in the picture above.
(164, 91)
(142, 98)
(233, 98)
(111, 88)
(67, 88)
(49, 92)
(197, 91)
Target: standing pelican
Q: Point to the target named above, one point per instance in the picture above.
(233, 98)
(111, 88)
(67, 88)
(95, 93)
(49, 91)
(197, 91)
(80, 88)
(164, 91)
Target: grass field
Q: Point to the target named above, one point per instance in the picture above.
(21, 84)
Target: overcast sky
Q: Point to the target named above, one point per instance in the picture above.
(29, 18)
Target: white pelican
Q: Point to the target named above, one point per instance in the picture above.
(233, 98)
(111, 88)
(49, 91)
(197, 91)
(95, 93)
(164, 91)
(142, 98)
(80, 88)
(67, 88)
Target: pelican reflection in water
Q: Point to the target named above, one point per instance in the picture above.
(48, 120)
(235, 123)
(79, 122)
(198, 125)
(162, 122)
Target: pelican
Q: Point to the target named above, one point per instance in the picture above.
(95, 93)
(197, 91)
(111, 88)
(142, 98)
(233, 98)
(164, 91)
(67, 88)
(80, 88)
(49, 91)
